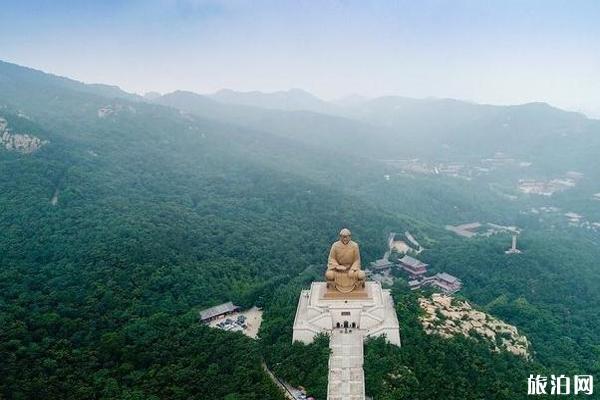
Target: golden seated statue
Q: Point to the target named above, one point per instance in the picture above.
(344, 276)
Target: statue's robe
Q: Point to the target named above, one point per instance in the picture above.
(348, 256)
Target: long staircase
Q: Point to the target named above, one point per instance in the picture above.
(346, 375)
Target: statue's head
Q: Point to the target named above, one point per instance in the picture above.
(345, 235)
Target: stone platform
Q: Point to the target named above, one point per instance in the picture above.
(374, 315)
(347, 321)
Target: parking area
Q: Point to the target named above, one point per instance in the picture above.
(248, 322)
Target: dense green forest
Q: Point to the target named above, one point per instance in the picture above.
(550, 292)
(157, 216)
(425, 367)
(158, 213)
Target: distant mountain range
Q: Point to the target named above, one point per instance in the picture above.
(289, 100)
(381, 128)
(122, 215)
(398, 127)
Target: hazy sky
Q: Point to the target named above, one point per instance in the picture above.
(485, 51)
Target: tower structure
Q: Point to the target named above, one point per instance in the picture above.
(513, 249)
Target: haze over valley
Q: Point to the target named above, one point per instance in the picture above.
(173, 176)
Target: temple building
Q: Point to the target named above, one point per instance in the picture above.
(413, 266)
(447, 283)
(215, 312)
(381, 264)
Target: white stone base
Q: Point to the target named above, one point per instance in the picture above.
(374, 316)
(347, 322)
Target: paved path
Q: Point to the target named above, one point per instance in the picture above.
(284, 389)
(346, 375)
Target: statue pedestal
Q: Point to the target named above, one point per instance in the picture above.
(347, 318)
(371, 311)
(334, 294)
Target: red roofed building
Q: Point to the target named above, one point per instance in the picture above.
(413, 266)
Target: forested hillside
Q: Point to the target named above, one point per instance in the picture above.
(156, 215)
(131, 216)
(394, 127)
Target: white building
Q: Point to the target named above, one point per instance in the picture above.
(348, 321)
